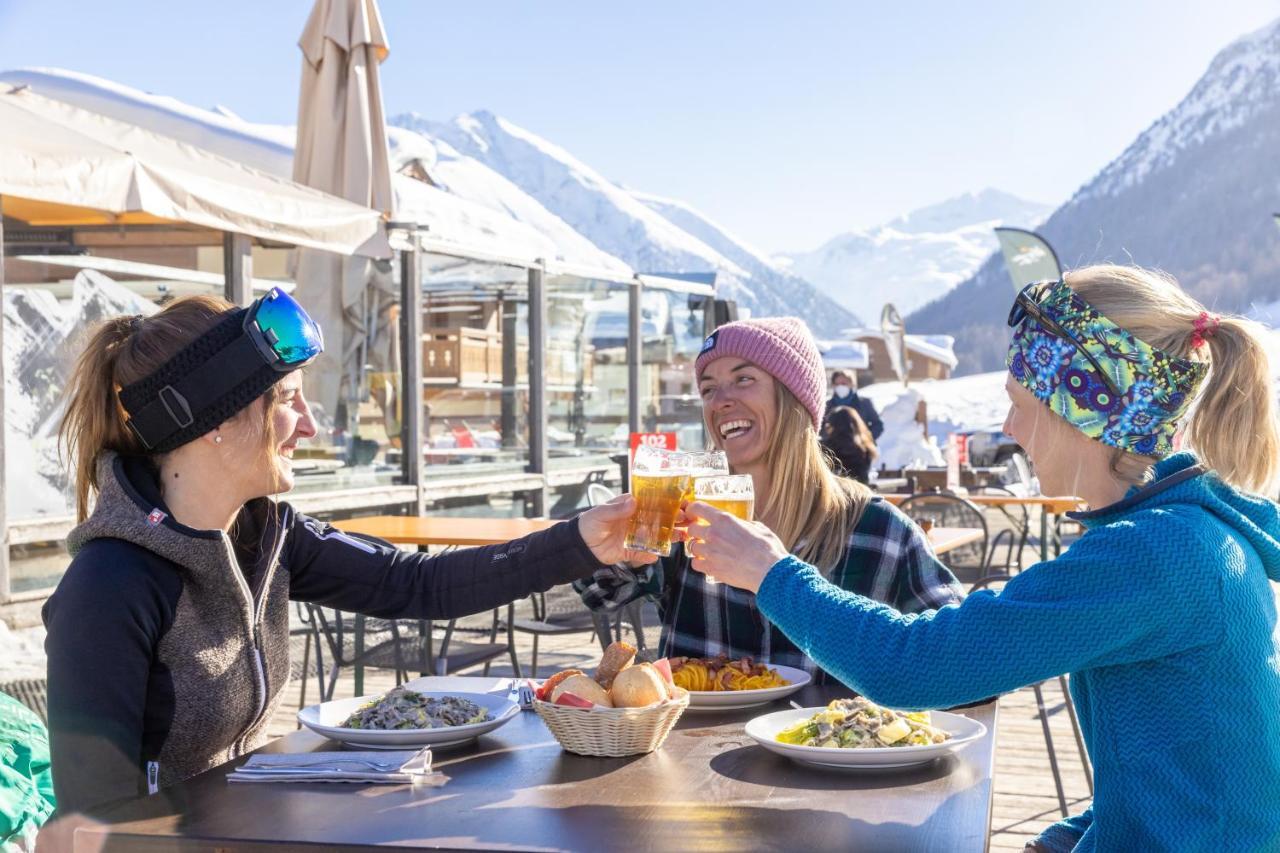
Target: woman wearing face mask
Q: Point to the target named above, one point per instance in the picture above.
(761, 386)
(168, 637)
(1163, 611)
(844, 392)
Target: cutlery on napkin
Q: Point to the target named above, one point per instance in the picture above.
(381, 767)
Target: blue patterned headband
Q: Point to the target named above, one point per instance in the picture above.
(1103, 380)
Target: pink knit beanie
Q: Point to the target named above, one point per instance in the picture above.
(783, 347)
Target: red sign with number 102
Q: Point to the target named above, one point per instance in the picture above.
(661, 440)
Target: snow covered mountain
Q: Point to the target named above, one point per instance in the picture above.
(1192, 195)
(649, 233)
(41, 338)
(915, 258)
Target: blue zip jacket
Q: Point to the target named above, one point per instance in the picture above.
(1164, 615)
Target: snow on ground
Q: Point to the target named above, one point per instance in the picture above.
(21, 652)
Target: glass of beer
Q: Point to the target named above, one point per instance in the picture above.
(659, 479)
(705, 463)
(733, 493)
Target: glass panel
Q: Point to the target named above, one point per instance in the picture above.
(475, 364)
(671, 328)
(587, 433)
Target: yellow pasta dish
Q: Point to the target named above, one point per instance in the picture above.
(719, 674)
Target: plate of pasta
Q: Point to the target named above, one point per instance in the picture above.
(725, 684)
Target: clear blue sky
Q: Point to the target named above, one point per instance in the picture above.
(788, 123)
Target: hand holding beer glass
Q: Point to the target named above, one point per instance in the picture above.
(659, 479)
(733, 493)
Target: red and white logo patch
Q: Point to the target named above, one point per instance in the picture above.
(155, 517)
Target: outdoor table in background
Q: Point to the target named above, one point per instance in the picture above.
(1049, 506)
(709, 787)
(424, 532)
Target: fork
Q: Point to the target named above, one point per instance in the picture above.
(379, 766)
(526, 697)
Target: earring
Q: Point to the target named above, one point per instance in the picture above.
(217, 439)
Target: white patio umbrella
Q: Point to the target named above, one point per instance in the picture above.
(342, 149)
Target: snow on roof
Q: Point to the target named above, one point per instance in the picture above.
(940, 348)
(847, 355)
(455, 220)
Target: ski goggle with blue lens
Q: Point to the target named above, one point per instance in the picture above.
(283, 332)
(194, 391)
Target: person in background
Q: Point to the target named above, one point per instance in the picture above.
(1163, 612)
(761, 383)
(846, 437)
(26, 786)
(844, 392)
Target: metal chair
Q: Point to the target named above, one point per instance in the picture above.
(395, 645)
(945, 509)
(1038, 689)
(1015, 536)
(32, 692)
(305, 633)
(559, 611)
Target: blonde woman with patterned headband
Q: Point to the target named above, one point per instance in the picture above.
(1163, 611)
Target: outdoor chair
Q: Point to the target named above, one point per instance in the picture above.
(32, 692)
(305, 634)
(1038, 689)
(571, 497)
(948, 510)
(405, 646)
(559, 611)
(1014, 537)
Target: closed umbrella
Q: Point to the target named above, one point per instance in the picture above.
(342, 149)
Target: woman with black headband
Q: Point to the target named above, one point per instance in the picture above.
(1163, 611)
(168, 637)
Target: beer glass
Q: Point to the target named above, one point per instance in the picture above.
(704, 463)
(659, 479)
(734, 494)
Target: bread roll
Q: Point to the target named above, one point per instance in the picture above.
(638, 686)
(616, 658)
(584, 688)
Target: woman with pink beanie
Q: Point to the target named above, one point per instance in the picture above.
(762, 385)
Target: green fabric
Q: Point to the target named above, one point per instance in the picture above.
(26, 785)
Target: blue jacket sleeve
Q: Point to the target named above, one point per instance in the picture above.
(361, 574)
(1113, 598)
(1063, 836)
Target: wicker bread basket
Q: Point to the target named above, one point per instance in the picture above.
(612, 732)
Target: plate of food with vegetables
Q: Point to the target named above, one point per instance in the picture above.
(857, 733)
(404, 717)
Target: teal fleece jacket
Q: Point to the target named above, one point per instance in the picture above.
(1163, 613)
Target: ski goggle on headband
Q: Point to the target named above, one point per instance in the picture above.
(221, 372)
(1101, 379)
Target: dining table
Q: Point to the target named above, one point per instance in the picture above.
(424, 532)
(709, 787)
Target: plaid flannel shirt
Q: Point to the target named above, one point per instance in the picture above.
(888, 558)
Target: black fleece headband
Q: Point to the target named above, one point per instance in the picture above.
(204, 385)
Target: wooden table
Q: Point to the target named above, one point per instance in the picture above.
(946, 539)
(709, 787)
(1049, 506)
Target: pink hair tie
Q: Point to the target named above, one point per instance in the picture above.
(1205, 326)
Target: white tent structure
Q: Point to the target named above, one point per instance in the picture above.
(62, 165)
(456, 224)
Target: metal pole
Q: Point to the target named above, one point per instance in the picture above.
(508, 309)
(635, 351)
(411, 391)
(5, 591)
(237, 268)
(538, 387)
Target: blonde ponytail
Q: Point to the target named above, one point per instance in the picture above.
(1232, 424)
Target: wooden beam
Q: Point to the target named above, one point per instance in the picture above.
(237, 268)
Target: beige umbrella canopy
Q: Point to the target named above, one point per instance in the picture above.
(342, 149)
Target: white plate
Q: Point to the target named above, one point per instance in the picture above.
(732, 700)
(764, 730)
(326, 718)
